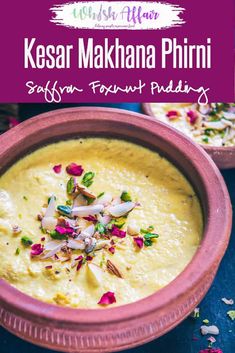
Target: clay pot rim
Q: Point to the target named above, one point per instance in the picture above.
(191, 275)
(148, 110)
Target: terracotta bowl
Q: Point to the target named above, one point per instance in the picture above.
(118, 328)
(224, 157)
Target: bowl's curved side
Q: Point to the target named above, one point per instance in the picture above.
(224, 157)
(111, 338)
(79, 330)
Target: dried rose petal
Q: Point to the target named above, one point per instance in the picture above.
(64, 230)
(118, 232)
(139, 241)
(112, 249)
(107, 298)
(90, 219)
(172, 114)
(79, 265)
(80, 262)
(89, 258)
(43, 239)
(49, 267)
(211, 339)
(57, 168)
(211, 350)
(193, 115)
(74, 169)
(13, 122)
(36, 249)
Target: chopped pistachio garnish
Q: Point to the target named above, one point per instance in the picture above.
(87, 179)
(71, 185)
(17, 251)
(148, 236)
(89, 199)
(205, 139)
(56, 235)
(65, 210)
(69, 202)
(205, 321)
(103, 260)
(148, 230)
(231, 314)
(125, 196)
(26, 241)
(101, 194)
(25, 198)
(118, 222)
(99, 227)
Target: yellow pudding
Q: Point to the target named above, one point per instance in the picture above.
(210, 124)
(95, 221)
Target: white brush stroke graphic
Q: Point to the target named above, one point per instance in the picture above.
(137, 15)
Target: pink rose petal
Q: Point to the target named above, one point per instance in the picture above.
(211, 350)
(112, 249)
(57, 168)
(89, 258)
(49, 267)
(118, 232)
(193, 115)
(139, 241)
(172, 114)
(107, 298)
(13, 122)
(64, 230)
(80, 262)
(36, 249)
(74, 169)
(90, 219)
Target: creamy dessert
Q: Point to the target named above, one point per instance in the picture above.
(210, 124)
(95, 222)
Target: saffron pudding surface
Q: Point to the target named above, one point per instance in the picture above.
(210, 124)
(95, 222)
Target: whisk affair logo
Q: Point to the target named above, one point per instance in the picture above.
(135, 15)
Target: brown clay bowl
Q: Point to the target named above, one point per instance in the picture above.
(118, 328)
(224, 157)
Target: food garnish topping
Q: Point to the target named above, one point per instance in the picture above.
(113, 269)
(211, 350)
(16, 229)
(231, 314)
(26, 241)
(139, 241)
(209, 121)
(173, 114)
(86, 224)
(74, 169)
(36, 249)
(212, 330)
(228, 301)
(107, 298)
(57, 168)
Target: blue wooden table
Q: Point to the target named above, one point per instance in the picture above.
(186, 337)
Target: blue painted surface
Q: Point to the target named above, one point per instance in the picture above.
(179, 340)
